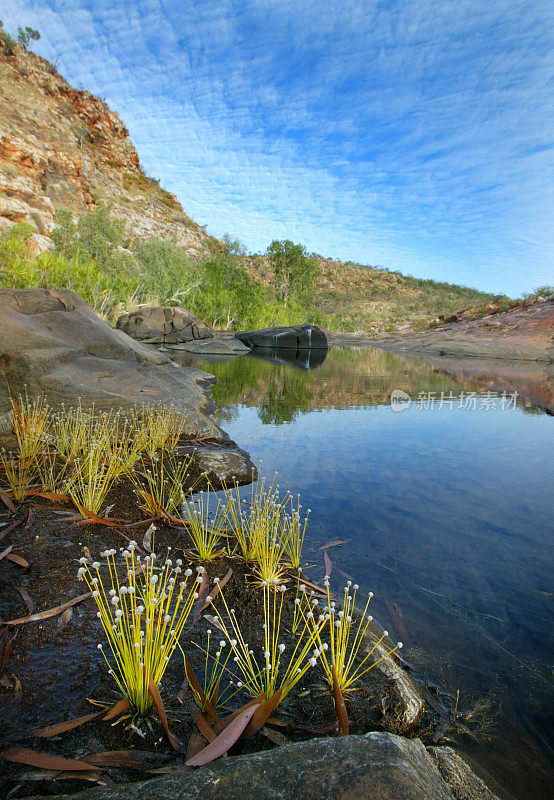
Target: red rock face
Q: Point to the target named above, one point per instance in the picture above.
(62, 147)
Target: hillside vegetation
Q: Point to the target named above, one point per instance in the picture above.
(78, 211)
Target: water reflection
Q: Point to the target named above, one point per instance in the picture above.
(448, 514)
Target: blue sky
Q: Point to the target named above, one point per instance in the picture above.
(416, 134)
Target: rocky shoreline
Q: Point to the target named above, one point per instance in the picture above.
(508, 352)
(53, 344)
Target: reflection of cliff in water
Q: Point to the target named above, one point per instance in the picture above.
(347, 377)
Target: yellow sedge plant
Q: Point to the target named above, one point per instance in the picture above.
(274, 669)
(205, 532)
(293, 531)
(214, 672)
(346, 631)
(30, 424)
(159, 485)
(157, 429)
(258, 527)
(143, 609)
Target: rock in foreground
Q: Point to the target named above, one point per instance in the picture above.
(163, 325)
(294, 337)
(377, 766)
(52, 342)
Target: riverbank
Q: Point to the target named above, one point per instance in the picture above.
(507, 352)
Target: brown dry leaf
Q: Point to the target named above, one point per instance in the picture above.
(65, 618)
(131, 759)
(395, 613)
(340, 707)
(194, 684)
(204, 727)
(51, 612)
(328, 563)
(313, 586)
(19, 560)
(334, 543)
(263, 713)
(202, 594)
(226, 739)
(174, 741)
(27, 599)
(11, 527)
(147, 539)
(6, 552)
(5, 647)
(7, 502)
(218, 586)
(53, 496)
(17, 687)
(62, 727)
(30, 519)
(120, 707)
(23, 755)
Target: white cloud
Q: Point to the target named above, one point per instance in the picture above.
(416, 135)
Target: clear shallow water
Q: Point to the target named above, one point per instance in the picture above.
(449, 516)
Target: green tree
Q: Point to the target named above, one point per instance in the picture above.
(25, 35)
(294, 272)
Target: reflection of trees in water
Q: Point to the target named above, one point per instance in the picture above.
(288, 393)
(347, 377)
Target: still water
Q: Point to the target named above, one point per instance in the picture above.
(448, 513)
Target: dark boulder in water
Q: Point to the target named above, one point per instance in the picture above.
(292, 337)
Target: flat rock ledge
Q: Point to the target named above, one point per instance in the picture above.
(53, 343)
(377, 766)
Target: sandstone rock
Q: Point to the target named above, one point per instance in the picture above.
(52, 342)
(225, 466)
(63, 147)
(163, 325)
(377, 766)
(225, 347)
(294, 337)
(462, 781)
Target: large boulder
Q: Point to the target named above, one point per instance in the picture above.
(52, 342)
(163, 325)
(293, 337)
(380, 766)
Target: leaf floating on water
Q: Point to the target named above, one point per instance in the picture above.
(51, 612)
(23, 755)
(395, 613)
(226, 739)
(29, 602)
(62, 727)
(334, 543)
(328, 563)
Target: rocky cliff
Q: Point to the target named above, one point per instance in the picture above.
(61, 147)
